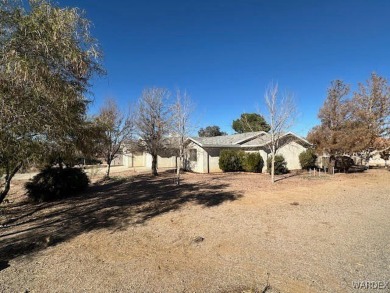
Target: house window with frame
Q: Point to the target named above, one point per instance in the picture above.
(193, 155)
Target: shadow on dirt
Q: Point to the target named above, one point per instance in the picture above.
(115, 205)
(3, 265)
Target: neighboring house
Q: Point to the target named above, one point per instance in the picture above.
(118, 160)
(134, 156)
(143, 159)
(372, 159)
(376, 160)
(202, 154)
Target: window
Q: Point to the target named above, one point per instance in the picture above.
(193, 155)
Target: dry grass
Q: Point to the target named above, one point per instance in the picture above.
(214, 233)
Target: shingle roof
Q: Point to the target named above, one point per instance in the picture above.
(247, 139)
(260, 140)
(226, 140)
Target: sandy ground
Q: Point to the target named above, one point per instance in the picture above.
(214, 233)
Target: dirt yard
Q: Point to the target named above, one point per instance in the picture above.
(214, 233)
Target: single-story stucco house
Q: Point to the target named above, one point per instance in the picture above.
(374, 159)
(202, 155)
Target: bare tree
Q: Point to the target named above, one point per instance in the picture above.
(181, 125)
(281, 114)
(117, 128)
(152, 122)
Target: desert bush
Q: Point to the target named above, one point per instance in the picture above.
(253, 162)
(308, 159)
(54, 183)
(280, 165)
(231, 160)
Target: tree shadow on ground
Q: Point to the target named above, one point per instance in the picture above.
(114, 205)
(3, 265)
(288, 175)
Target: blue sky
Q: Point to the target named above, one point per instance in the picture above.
(225, 53)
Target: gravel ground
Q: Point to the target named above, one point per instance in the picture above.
(215, 233)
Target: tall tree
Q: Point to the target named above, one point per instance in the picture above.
(281, 114)
(153, 122)
(211, 131)
(371, 112)
(353, 126)
(118, 127)
(47, 57)
(331, 136)
(249, 122)
(181, 125)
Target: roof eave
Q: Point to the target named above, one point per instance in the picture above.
(221, 146)
(299, 137)
(250, 138)
(194, 141)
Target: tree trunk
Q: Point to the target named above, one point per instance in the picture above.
(178, 168)
(60, 163)
(273, 151)
(273, 167)
(154, 165)
(109, 161)
(8, 178)
(108, 170)
(4, 192)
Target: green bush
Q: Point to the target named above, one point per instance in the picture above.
(54, 183)
(253, 162)
(308, 159)
(231, 160)
(280, 165)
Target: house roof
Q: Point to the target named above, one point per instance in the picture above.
(226, 140)
(248, 139)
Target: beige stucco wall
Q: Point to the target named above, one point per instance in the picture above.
(138, 159)
(197, 166)
(212, 158)
(127, 160)
(207, 159)
(143, 159)
(118, 161)
(291, 153)
(264, 155)
(166, 162)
